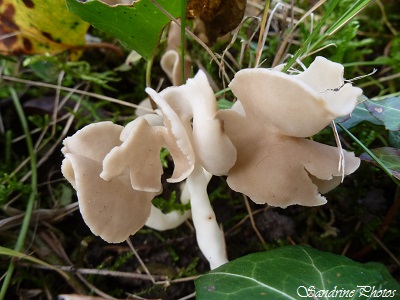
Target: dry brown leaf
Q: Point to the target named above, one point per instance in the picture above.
(219, 16)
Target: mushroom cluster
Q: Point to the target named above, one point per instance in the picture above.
(117, 170)
(260, 144)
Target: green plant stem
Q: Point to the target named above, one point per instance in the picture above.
(148, 81)
(373, 156)
(219, 93)
(309, 47)
(183, 36)
(356, 7)
(7, 156)
(316, 31)
(29, 207)
(262, 28)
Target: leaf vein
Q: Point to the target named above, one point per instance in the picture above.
(256, 281)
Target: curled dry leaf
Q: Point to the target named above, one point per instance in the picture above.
(202, 8)
(219, 16)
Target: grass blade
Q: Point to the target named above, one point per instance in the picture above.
(29, 207)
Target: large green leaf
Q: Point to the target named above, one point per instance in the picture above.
(390, 157)
(137, 26)
(387, 111)
(293, 272)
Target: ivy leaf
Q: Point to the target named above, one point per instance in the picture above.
(389, 156)
(291, 273)
(394, 139)
(137, 26)
(39, 27)
(387, 111)
(358, 115)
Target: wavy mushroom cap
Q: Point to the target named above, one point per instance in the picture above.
(295, 105)
(275, 111)
(194, 106)
(111, 209)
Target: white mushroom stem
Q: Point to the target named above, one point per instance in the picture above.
(160, 221)
(185, 194)
(209, 236)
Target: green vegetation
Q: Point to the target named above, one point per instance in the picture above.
(46, 248)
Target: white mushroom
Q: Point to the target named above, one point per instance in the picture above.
(195, 139)
(194, 104)
(139, 154)
(171, 61)
(275, 164)
(111, 209)
(190, 110)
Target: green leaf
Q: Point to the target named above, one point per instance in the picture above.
(358, 115)
(390, 157)
(387, 111)
(138, 26)
(290, 273)
(224, 104)
(394, 139)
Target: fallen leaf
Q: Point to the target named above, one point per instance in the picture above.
(219, 16)
(39, 27)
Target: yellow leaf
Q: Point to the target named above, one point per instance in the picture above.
(39, 27)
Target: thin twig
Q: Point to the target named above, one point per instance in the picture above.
(253, 224)
(63, 88)
(341, 164)
(128, 241)
(190, 296)
(278, 56)
(178, 280)
(265, 34)
(94, 288)
(396, 260)
(346, 248)
(394, 208)
(242, 221)
(99, 272)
